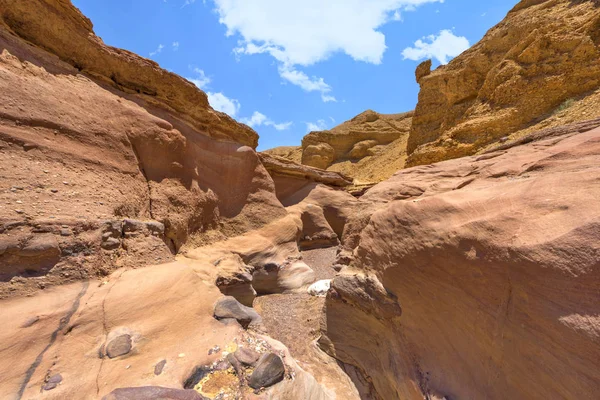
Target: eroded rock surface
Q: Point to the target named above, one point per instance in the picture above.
(110, 160)
(488, 262)
(540, 58)
(368, 148)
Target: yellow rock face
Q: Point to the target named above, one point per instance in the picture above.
(542, 54)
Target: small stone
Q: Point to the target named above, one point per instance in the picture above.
(54, 190)
(19, 211)
(269, 370)
(111, 244)
(229, 307)
(65, 183)
(65, 232)
(19, 202)
(119, 346)
(52, 382)
(214, 350)
(158, 368)
(246, 356)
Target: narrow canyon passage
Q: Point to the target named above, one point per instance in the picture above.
(294, 319)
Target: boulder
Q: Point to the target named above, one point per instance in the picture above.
(229, 308)
(269, 370)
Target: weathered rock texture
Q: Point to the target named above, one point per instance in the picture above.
(540, 58)
(477, 277)
(290, 177)
(91, 136)
(369, 148)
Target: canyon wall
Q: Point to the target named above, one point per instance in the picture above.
(369, 148)
(477, 277)
(109, 159)
(541, 58)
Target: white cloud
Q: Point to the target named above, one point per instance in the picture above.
(441, 47)
(175, 46)
(201, 80)
(158, 50)
(320, 125)
(222, 103)
(302, 33)
(217, 100)
(259, 119)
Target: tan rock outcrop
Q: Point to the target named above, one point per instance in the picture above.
(338, 143)
(370, 147)
(540, 56)
(290, 177)
(91, 136)
(477, 277)
(59, 28)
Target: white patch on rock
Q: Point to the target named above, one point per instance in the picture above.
(320, 288)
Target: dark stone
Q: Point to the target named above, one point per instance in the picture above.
(52, 382)
(119, 346)
(229, 307)
(246, 356)
(269, 370)
(197, 375)
(156, 228)
(153, 393)
(237, 365)
(111, 243)
(158, 368)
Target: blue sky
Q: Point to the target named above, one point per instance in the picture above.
(287, 66)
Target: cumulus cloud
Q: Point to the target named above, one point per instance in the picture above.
(201, 80)
(320, 125)
(441, 47)
(222, 103)
(259, 119)
(175, 46)
(302, 33)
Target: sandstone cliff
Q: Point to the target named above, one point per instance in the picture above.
(541, 59)
(91, 136)
(476, 278)
(369, 148)
(147, 252)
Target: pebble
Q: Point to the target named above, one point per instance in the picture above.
(54, 190)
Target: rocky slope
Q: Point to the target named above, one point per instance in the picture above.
(539, 60)
(477, 277)
(369, 148)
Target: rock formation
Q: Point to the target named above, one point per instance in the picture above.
(542, 58)
(92, 136)
(147, 251)
(477, 277)
(369, 148)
